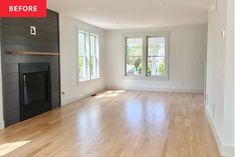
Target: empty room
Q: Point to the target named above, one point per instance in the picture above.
(117, 78)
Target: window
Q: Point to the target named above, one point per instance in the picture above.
(134, 59)
(88, 56)
(147, 56)
(94, 67)
(84, 70)
(156, 56)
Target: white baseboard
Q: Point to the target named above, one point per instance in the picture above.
(2, 124)
(225, 151)
(73, 99)
(157, 89)
(228, 151)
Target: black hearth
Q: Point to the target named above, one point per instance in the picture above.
(35, 90)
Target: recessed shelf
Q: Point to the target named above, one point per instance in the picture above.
(33, 53)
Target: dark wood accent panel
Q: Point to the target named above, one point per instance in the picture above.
(27, 48)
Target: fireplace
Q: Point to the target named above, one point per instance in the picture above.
(35, 89)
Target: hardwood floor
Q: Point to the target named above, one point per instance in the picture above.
(116, 124)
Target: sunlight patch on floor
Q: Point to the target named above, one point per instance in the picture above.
(110, 94)
(9, 147)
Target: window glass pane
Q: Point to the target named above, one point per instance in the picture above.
(156, 56)
(82, 43)
(134, 66)
(134, 52)
(83, 58)
(156, 66)
(134, 42)
(130, 51)
(156, 46)
(92, 42)
(94, 60)
(93, 67)
(97, 46)
(83, 69)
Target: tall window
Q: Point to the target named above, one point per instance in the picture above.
(84, 71)
(156, 56)
(94, 67)
(134, 59)
(147, 55)
(88, 56)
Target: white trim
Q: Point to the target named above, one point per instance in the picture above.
(214, 130)
(73, 99)
(2, 126)
(226, 151)
(156, 89)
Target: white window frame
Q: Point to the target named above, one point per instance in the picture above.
(87, 49)
(145, 36)
(89, 53)
(143, 56)
(97, 49)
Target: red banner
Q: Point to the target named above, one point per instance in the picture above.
(23, 8)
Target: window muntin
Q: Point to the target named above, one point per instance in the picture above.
(134, 56)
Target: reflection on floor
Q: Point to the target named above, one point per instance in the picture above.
(116, 123)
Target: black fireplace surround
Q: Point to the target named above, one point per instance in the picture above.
(35, 89)
(31, 81)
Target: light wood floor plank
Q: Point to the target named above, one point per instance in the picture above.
(116, 124)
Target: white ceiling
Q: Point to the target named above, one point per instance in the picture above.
(120, 14)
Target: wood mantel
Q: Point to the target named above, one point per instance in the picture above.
(33, 53)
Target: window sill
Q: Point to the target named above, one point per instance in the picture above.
(84, 81)
(147, 78)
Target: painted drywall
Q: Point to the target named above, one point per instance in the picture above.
(220, 75)
(111, 14)
(187, 55)
(73, 89)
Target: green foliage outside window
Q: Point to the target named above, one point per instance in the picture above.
(161, 69)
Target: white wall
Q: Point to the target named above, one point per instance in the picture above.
(68, 48)
(186, 60)
(229, 78)
(220, 76)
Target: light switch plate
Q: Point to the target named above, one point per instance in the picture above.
(33, 30)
